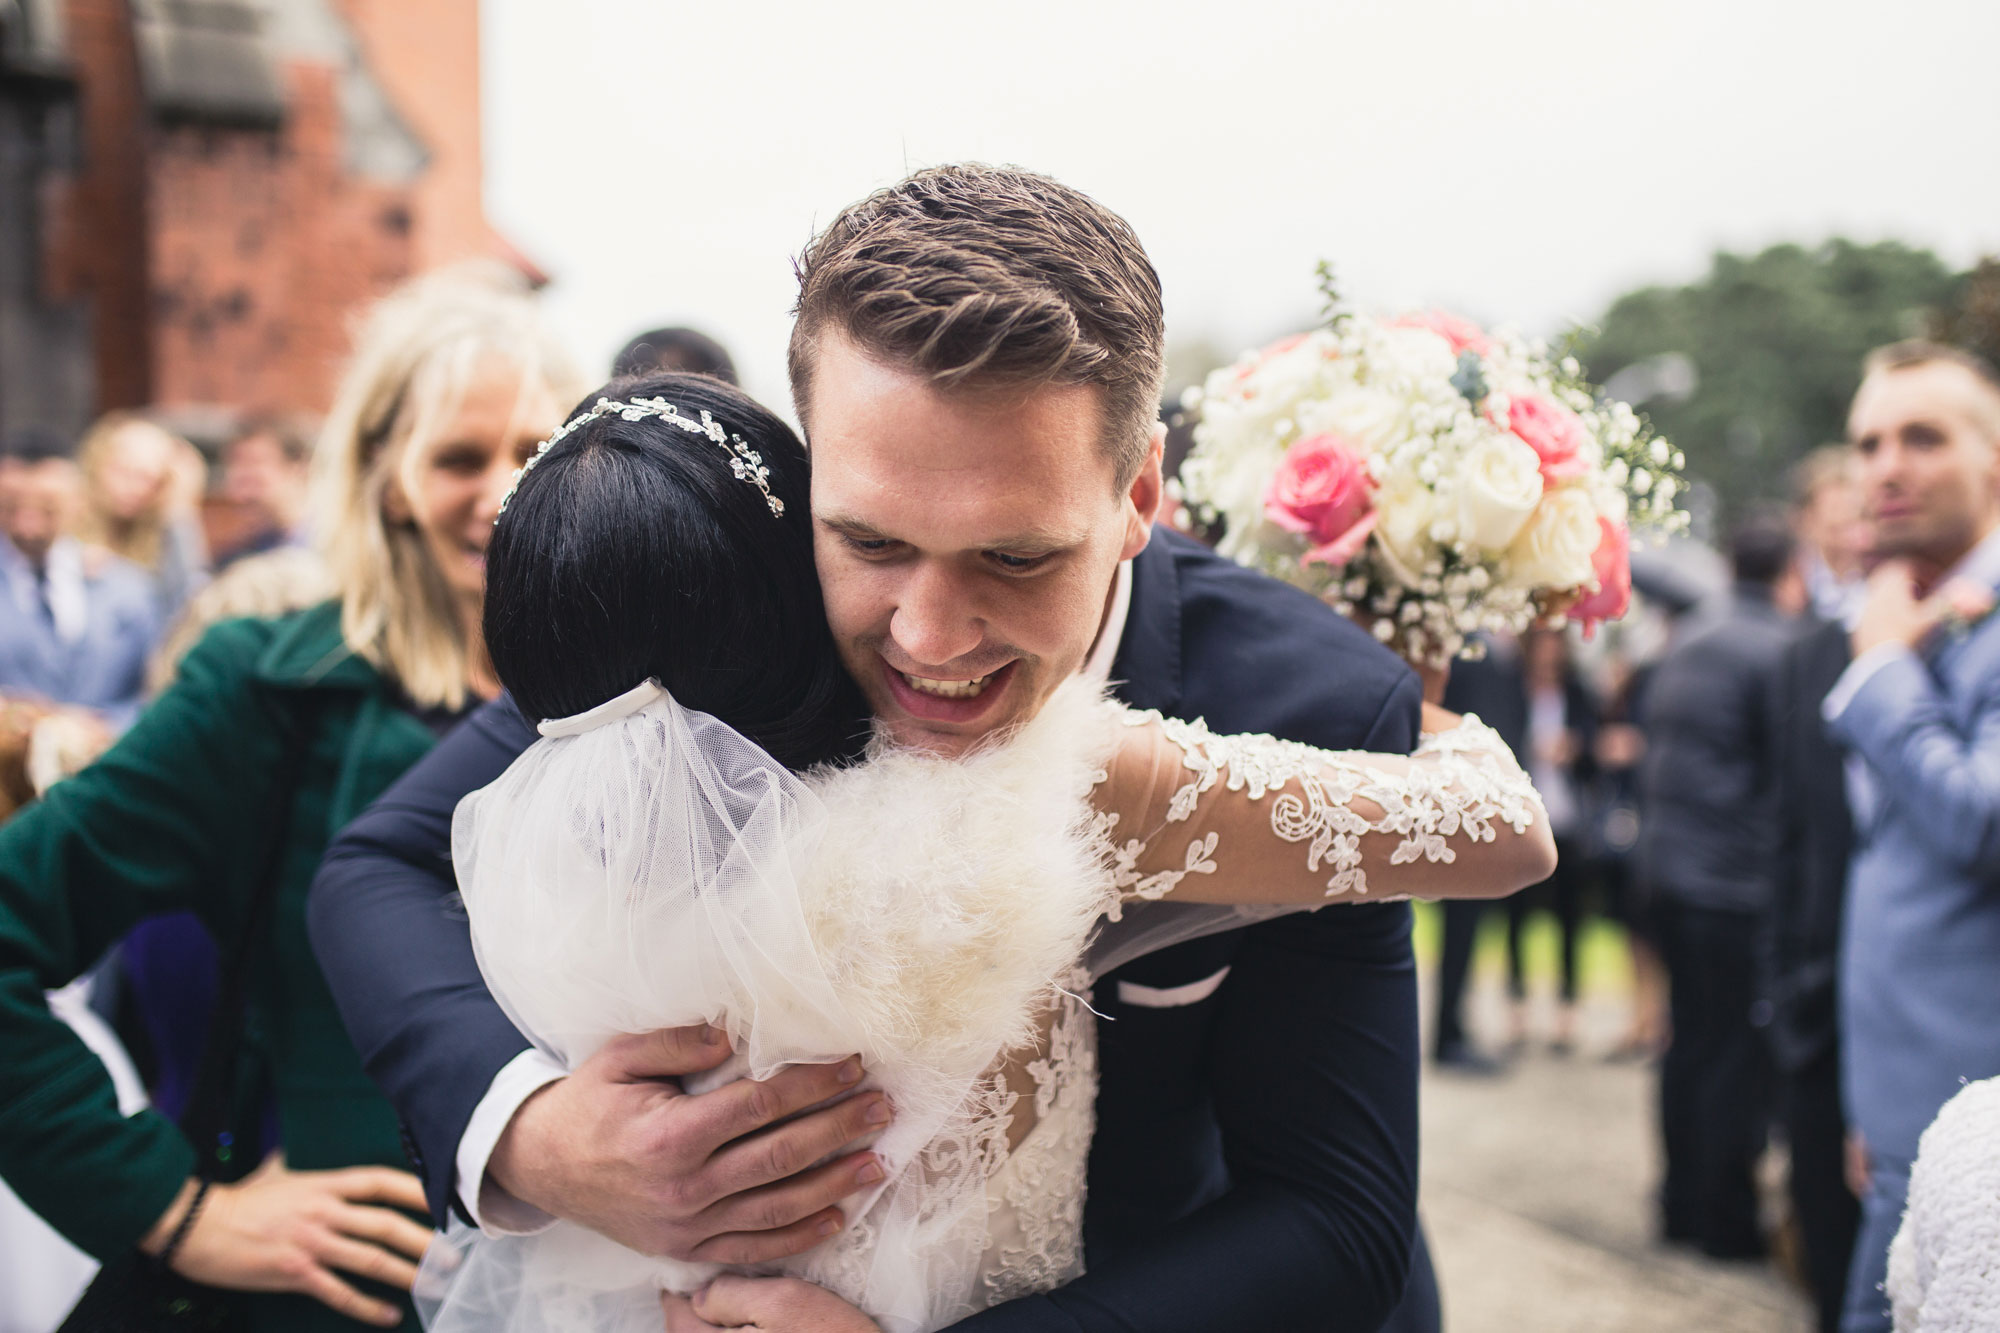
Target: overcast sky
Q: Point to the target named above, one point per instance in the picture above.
(1522, 161)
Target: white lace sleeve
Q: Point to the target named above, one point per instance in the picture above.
(1253, 819)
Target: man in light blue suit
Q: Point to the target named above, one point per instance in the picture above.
(1919, 714)
(76, 624)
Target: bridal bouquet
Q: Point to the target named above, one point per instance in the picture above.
(1428, 476)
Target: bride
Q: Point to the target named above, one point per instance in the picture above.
(707, 832)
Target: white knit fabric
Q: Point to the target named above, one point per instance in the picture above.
(1944, 1265)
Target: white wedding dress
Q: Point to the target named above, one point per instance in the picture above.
(646, 867)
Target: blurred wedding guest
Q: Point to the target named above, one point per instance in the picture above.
(1799, 962)
(1560, 756)
(1493, 687)
(80, 620)
(264, 473)
(685, 350)
(1918, 712)
(220, 800)
(1704, 852)
(141, 488)
(1826, 517)
(1619, 752)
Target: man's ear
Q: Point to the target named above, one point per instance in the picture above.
(1145, 496)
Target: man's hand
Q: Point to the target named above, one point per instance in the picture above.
(1891, 611)
(770, 1304)
(618, 1147)
(1857, 1165)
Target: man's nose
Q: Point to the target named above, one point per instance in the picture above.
(935, 621)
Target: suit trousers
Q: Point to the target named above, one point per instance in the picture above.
(1461, 932)
(1881, 1215)
(1715, 1082)
(1827, 1212)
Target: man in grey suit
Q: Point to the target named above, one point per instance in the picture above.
(1918, 712)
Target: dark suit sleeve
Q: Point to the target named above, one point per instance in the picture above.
(1314, 1076)
(393, 941)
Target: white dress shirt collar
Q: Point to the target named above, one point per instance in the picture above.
(1111, 634)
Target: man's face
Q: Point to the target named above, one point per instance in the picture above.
(967, 541)
(1929, 463)
(38, 500)
(1831, 524)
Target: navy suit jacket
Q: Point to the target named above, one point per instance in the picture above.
(1255, 1164)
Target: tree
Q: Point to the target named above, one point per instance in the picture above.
(1775, 341)
(1972, 318)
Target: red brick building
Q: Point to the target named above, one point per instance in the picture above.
(197, 195)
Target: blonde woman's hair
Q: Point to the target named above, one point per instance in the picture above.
(143, 540)
(416, 354)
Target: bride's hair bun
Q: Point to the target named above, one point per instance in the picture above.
(631, 550)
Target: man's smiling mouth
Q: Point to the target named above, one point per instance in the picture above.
(949, 689)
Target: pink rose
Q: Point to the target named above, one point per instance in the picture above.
(1554, 433)
(1268, 355)
(1611, 566)
(1323, 492)
(1460, 332)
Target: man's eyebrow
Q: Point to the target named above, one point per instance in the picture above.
(1037, 541)
(1032, 541)
(853, 527)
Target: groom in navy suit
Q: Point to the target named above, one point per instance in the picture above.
(1918, 712)
(977, 362)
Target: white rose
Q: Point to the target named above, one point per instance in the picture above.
(1370, 419)
(1404, 508)
(1555, 548)
(1418, 353)
(1498, 488)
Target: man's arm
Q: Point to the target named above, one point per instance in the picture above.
(1314, 1077)
(615, 1144)
(1946, 777)
(397, 950)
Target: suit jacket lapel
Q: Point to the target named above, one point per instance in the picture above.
(1146, 673)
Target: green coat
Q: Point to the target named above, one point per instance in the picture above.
(179, 815)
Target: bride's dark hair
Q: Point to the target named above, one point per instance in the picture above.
(632, 551)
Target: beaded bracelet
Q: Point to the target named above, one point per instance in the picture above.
(165, 1258)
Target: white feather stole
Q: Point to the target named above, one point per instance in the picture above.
(656, 871)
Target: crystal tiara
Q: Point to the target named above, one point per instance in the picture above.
(745, 462)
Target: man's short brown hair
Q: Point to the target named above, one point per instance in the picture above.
(1914, 352)
(991, 276)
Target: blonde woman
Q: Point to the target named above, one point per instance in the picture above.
(276, 732)
(141, 486)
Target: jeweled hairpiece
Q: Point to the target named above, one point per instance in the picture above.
(745, 462)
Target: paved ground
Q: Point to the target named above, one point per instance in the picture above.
(1537, 1196)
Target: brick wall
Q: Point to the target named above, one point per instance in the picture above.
(262, 251)
(427, 59)
(223, 266)
(96, 221)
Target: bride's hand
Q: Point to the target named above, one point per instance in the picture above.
(769, 1304)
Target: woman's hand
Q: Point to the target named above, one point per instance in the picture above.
(294, 1231)
(769, 1304)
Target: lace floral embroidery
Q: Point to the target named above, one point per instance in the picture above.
(1461, 782)
(1036, 1194)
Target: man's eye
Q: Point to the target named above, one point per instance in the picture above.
(1015, 563)
(869, 545)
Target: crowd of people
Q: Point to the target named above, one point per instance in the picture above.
(1791, 805)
